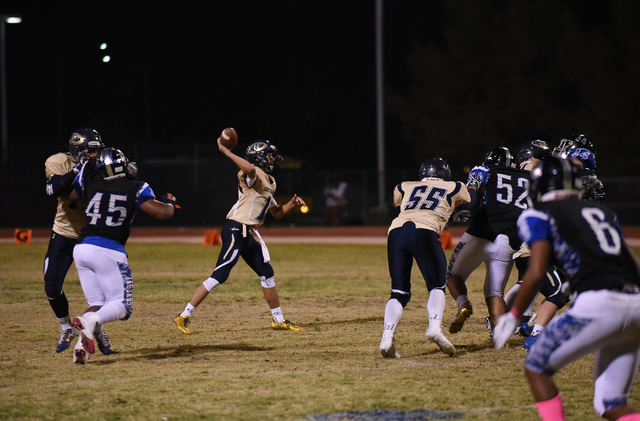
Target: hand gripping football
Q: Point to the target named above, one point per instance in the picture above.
(229, 137)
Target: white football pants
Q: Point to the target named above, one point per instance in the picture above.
(604, 322)
(497, 257)
(106, 280)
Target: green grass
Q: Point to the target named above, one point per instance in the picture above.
(234, 367)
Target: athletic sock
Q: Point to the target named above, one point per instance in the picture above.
(277, 315)
(435, 304)
(65, 322)
(462, 300)
(551, 410)
(187, 310)
(392, 314)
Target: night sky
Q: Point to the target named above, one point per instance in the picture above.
(299, 73)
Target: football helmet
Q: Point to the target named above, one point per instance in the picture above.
(435, 167)
(554, 178)
(533, 149)
(112, 163)
(83, 139)
(574, 141)
(264, 155)
(499, 156)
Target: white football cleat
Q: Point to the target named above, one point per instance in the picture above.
(80, 355)
(387, 345)
(435, 335)
(85, 326)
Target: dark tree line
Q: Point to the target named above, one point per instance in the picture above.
(500, 73)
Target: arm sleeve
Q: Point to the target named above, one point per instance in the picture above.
(59, 184)
(469, 205)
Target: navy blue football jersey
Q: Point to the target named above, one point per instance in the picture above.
(110, 205)
(586, 242)
(503, 196)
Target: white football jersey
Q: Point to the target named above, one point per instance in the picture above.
(428, 203)
(253, 201)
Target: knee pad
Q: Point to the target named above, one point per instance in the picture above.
(52, 291)
(210, 284)
(603, 405)
(402, 298)
(560, 299)
(267, 282)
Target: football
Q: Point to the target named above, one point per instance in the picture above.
(229, 137)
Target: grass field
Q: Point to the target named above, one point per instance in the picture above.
(234, 367)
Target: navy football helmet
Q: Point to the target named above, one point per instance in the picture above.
(112, 163)
(499, 156)
(533, 149)
(264, 155)
(554, 178)
(84, 139)
(435, 167)
(573, 142)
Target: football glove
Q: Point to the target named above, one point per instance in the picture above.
(170, 199)
(461, 215)
(507, 324)
(132, 169)
(475, 179)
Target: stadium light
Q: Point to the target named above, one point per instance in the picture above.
(3, 81)
(106, 58)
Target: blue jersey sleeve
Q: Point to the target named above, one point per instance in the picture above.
(585, 156)
(145, 193)
(534, 226)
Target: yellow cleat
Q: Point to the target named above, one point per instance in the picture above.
(286, 325)
(182, 323)
(464, 313)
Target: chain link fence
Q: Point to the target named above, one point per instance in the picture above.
(205, 184)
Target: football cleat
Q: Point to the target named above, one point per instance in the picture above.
(436, 336)
(464, 313)
(528, 343)
(525, 330)
(285, 325)
(80, 355)
(85, 327)
(104, 344)
(66, 336)
(183, 322)
(387, 345)
(487, 322)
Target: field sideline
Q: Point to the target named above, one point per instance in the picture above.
(234, 367)
(318, 235)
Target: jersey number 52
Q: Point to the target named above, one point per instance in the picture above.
(504, 183)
